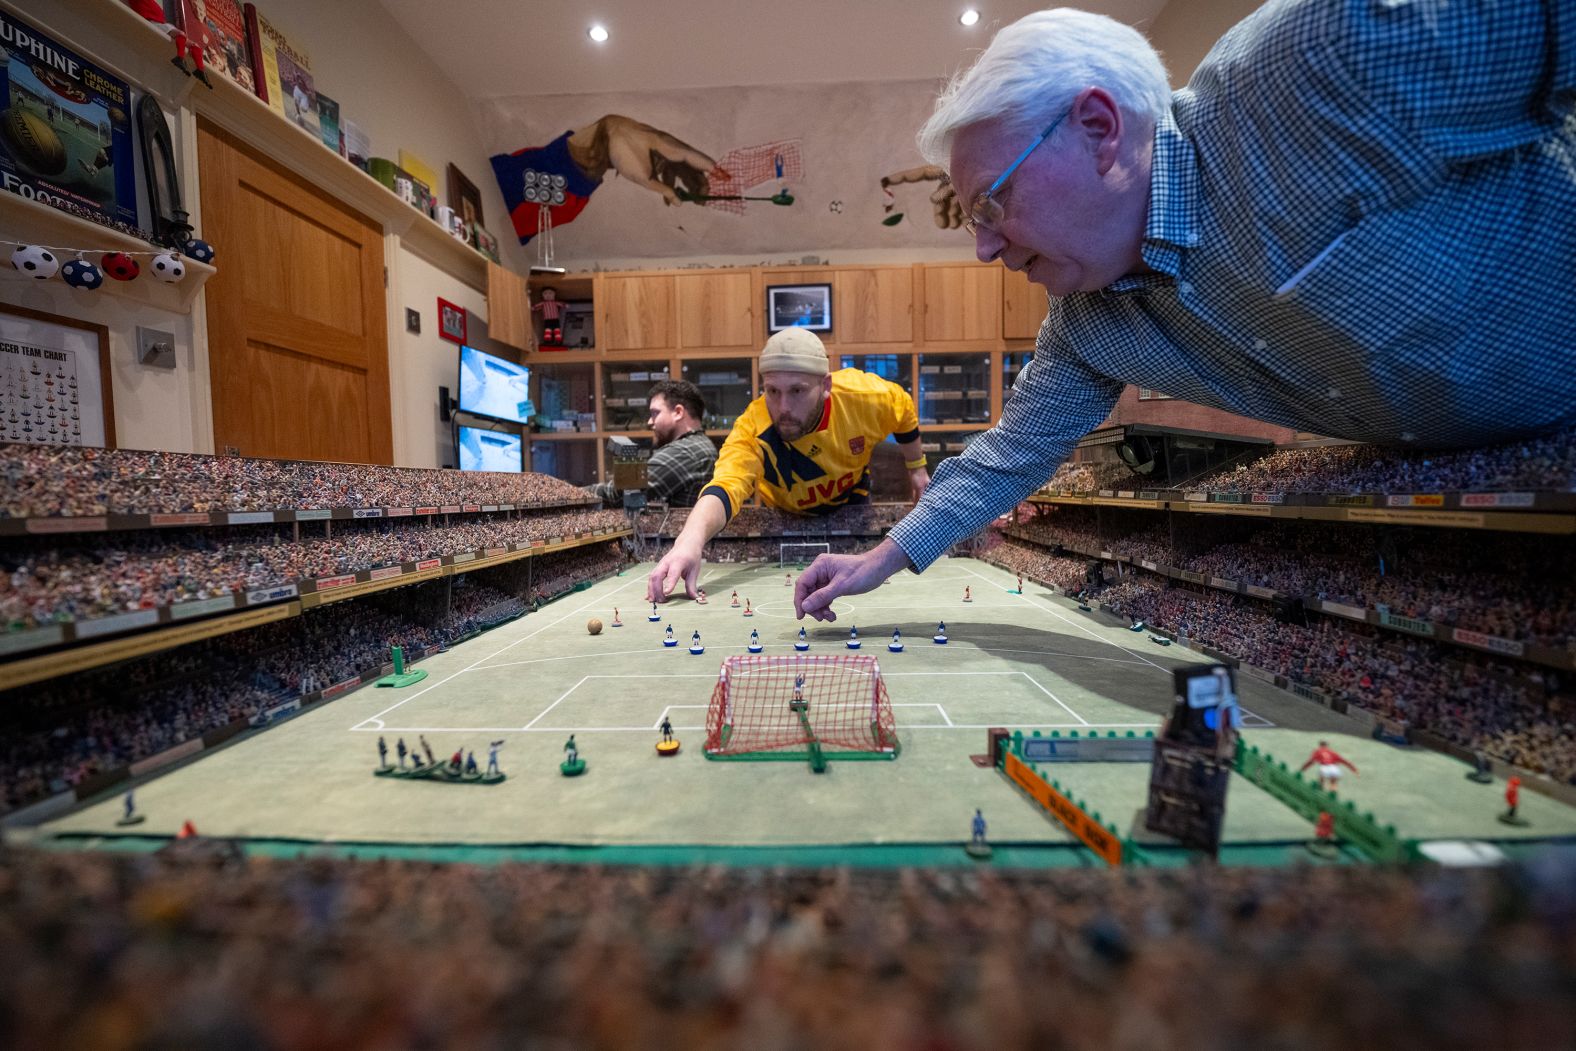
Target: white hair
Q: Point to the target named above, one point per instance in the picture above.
(1034, 68)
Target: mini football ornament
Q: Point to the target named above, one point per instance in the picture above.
(79, 273)
(201, 251)
(167, 267)
(121, 266)
(35, 261)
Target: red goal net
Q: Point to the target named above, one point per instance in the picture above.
(800, 706)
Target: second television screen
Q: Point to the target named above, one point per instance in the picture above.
(491, 386)
(483, 450)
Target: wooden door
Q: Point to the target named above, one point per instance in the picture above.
(297, 346)
(874, 305)
(636, 313)
(962, 303)
(716, 310)
(1023, 306)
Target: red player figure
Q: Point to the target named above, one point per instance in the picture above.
(185, 48)
(1512, 801)
(552, 310)
(700, 595)
(735, 602)
(1020, 583)
(787, 580)
(968, 594)
(616, 622)
(748, 612)
(1323, 844)
(1330, 762)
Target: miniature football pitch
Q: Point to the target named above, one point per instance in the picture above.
(1026, 662)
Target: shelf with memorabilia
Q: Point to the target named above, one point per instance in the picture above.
(954, 389)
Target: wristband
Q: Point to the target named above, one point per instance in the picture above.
(914, 465)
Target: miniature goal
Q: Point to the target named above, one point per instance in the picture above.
(801, 706)
(800, 554)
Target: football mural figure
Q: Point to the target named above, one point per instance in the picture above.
(1329, 762)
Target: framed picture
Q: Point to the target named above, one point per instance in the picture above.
(799, 306)
(464, 198)
(451, 321)
(54, 380)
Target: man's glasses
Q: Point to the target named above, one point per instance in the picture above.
(985, 210)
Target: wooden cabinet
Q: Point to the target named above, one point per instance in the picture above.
(873, 305)
(1023, 306)
(716, 310)
(635, 312)
(962, 303)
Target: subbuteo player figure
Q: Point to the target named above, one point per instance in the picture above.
(1329, 762)
(552, 311)
(427, 748)
(666, 728)
(383, 752)
(399, 748)
(968, 593)
(798, 704)
(571, 753)
(1020, 583)
(1512, 801)
(492, 757)
(977, 826)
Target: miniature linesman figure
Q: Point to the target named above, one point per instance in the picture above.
(492, 757)
(666, 728)
(977, 847)
(425, 747)
(383, 752)
(399, 748)
(968, 593)
(798, 704)
(1512, 801)
(470, 764)
(1330, 762)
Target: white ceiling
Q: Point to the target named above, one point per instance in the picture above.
(500, 48)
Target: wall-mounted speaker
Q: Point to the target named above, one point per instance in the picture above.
(445, 405)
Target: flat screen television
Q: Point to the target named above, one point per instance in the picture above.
(492, 386)
(484, 450)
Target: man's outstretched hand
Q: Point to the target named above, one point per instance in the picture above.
(833, 576)
(678, 565)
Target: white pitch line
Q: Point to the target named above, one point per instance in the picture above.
(491, 655)
(647, 729)
(1055, 698)
(550, 707)
(1058, 615)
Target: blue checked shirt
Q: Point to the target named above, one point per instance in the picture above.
(1363, 222)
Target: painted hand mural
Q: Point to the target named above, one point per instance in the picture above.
(559, 178)
(948, 210)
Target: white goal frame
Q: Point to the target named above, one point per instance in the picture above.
(819, 548)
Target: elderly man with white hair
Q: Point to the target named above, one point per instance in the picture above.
(1358, 219)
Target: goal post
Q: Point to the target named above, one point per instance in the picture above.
(800, 706)
(800, 555)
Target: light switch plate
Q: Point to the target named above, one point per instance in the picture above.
(413, 321)
(156, 348)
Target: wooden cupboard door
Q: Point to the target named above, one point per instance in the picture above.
(1023, 306)
(636, 313)
(297, 342)
(962, 303)
(874, 305)
(716, 310)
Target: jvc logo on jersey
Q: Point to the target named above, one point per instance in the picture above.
(820, 492)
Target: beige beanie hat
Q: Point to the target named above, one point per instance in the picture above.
(795, 350)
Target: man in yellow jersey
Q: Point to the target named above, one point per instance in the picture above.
(805, 444)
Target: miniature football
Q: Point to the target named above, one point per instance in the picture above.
(167, 267)
(79, 273)
(594, 626)
(35, 261)
(121, 266)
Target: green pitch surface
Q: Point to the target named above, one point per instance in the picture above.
(1026, 662)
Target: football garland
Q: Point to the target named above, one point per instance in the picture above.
(43, 262)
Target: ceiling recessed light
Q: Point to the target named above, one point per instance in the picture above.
(969, 17)
(599, 33)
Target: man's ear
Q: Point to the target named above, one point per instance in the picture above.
(826, 384)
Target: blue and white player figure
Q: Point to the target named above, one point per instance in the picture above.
(896, 645)
(977, 827)
(755, 641)
(383, 751)
(695, 646)
(492, 757)
(131, 805)
(940, 637)
(668, 639)
(802, 643)
(399, 747)
(853, 637)
(798, 704)
(470, 763)
(655, 616)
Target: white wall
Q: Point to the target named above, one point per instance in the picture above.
(420, 364)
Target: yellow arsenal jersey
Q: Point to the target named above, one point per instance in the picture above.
(827, 468)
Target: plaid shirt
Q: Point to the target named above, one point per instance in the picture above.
(675, 472)
(1363, 222)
